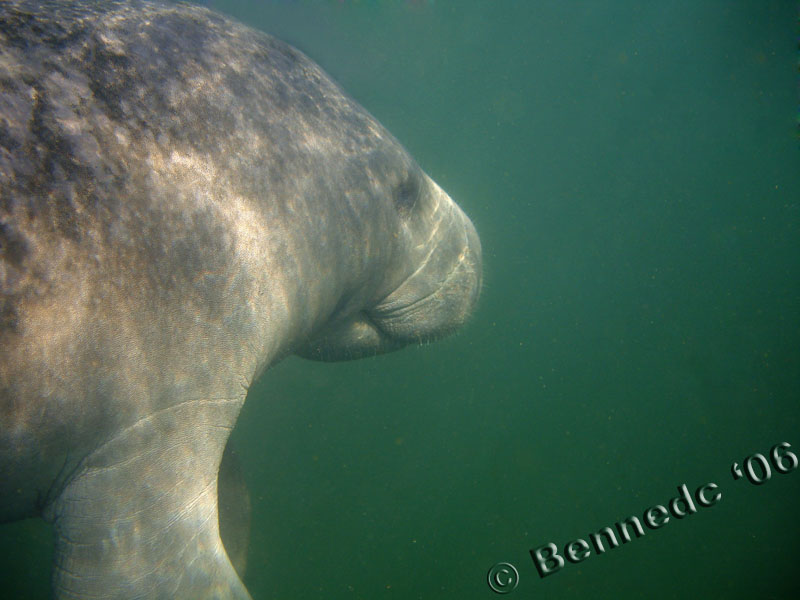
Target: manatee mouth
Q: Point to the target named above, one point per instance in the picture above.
(433, 315)
(434, 300)
(357, 337)
(391, 321)
(405, 317)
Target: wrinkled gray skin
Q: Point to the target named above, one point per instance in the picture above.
(183, 202)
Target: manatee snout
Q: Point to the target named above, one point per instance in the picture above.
(442, 291)
(437, 284)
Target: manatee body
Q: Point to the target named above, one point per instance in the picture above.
(183, 202)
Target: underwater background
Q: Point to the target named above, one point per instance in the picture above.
(633, 169)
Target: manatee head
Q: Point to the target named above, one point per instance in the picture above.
(432, 283)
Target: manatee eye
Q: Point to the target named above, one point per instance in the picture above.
(406, 193)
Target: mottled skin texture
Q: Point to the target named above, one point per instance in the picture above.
(183, 202)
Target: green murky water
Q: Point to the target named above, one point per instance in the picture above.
(633, 170)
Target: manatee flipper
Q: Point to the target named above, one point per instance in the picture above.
(234, 509)
(139, 516)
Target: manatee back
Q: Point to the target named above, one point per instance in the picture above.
(143, 148)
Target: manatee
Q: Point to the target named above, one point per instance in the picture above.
(184, 201)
